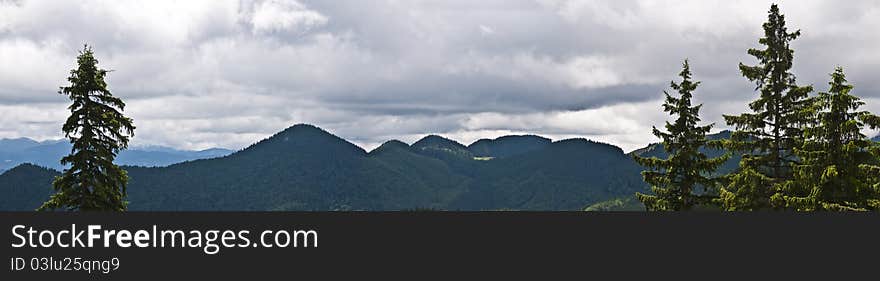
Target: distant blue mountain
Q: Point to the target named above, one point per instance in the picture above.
(48, 153)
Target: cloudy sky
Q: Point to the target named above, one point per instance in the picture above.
(200, 74)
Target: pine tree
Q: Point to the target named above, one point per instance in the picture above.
(836, 157)
(98, 131)
(768, 135)
(675, 180)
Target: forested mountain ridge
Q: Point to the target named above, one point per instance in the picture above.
(307, 168)
(25, 187)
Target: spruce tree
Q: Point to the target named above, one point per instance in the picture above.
(768, 135)
(837, 163)
(675, 180)
(98, 131)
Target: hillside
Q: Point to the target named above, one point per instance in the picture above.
(25, 187)
(563, 176)
(307, 168)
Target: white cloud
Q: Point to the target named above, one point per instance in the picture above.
(280, 15)
(38, 121)
(486, 30)
(641, 15)
(576, 73)
(625, 125)
(29, 69)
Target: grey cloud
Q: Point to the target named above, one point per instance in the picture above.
(227, 73)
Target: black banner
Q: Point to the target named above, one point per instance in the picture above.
(418, 245)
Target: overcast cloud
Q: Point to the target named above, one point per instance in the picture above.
(199, 74)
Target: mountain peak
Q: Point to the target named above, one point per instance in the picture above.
(303, 138)
(27, 166)
(391, 145)
(720, 135)
(438, 142)
(17, 144)
(395, 144)
(303, 131)
(18, 139)
(302, 127)
(586, 143)
(507, 146)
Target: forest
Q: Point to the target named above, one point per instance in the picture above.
(800, 151)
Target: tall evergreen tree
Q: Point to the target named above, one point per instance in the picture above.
(837, 163)
(768, 135)
(675, 180)
(98, 131)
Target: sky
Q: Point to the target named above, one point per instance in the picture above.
(201, 74)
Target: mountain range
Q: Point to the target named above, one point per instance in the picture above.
(307, 168)
(14, 152)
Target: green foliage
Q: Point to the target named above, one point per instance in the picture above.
(749, 193)
(98, 131)
(729, 166)
(675, 180)
(622, 204)
(838, 169)
(770, 133)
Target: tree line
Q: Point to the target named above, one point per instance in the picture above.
(799, 151)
